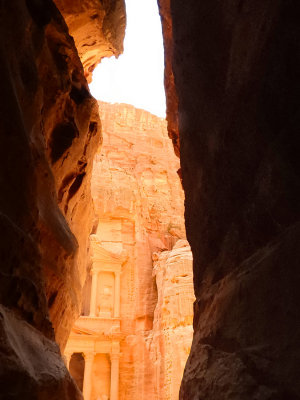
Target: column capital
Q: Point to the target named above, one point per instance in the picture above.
(115, 347)
(89, 356)
(94, 271)
(114, 356)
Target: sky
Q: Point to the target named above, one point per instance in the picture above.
(136, 77)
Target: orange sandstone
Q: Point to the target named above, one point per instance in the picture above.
(98, 28)
(137, 322)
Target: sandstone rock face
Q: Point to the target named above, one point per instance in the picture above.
(139, 236)
(71, 126)
(173, 317)
(98, 28)
(50, 131)
(31, 366)
(171, 95)
(139, 202)
(236, 67)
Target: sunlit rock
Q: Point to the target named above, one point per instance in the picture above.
(173, 317)
(50, 130)
(137, 311)
(98, 28)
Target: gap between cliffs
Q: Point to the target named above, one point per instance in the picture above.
(137, 301)
(232, 85)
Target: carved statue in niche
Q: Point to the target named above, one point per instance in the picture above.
(105, 307)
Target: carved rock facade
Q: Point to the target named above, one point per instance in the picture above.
(137, 322)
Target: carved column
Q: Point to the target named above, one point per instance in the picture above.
(67, 359)
(87, 379)
(117, 295)
(93, 301)
(114, 376)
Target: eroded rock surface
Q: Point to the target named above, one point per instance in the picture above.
(236, 70)
(171, 95)
(98, 28)
(31, 366)
(173, 316)
(50, 131)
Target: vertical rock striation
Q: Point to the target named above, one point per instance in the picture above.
(236, 69)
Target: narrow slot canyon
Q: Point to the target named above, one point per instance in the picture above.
(98, 201)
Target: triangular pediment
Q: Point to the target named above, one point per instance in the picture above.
(78, 331)
(99, 253)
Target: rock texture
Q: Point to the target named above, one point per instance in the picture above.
(50, 131)
(98, 28)
(236, 70)
(171, 95)
(71, 128)
(31, 366)
(172, 325)
(139, 204)
(135, 181)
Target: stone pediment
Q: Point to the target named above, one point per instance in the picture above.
(86, 334)
(78, 331)
(105, 256)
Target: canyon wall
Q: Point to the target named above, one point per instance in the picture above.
(236, 73)
(98, 29)
(172, 324)
(138, 239)
(50, 130)
(170, 89)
